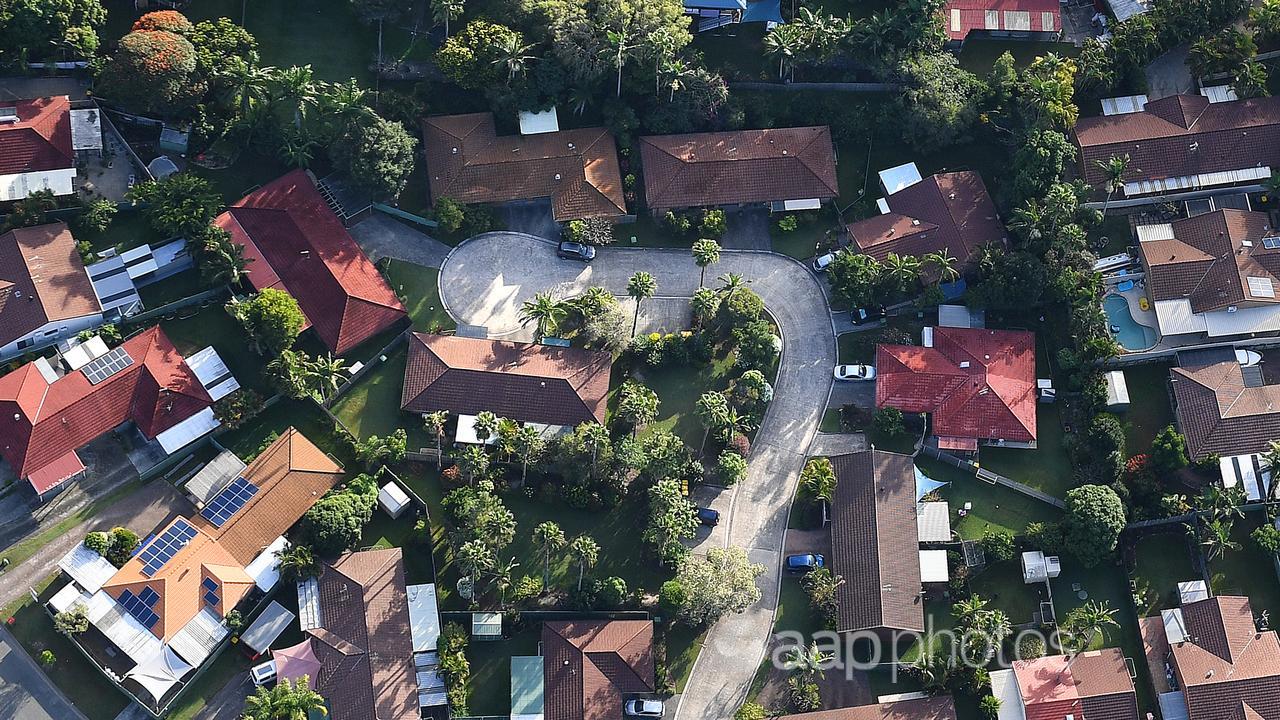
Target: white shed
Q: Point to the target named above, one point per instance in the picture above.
(1117, 391)
(933, 566)
(1038, 567)
(393, 500)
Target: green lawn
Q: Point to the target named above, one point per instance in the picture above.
(831, 421)
(1047, 467)
(304, 415)
(372, 406)
(1001, 584)
(937, 621)
(683, 645)
(491, 669)
(794, 612)
(193, 329)
(1247, 571)
(1149, 410)
(678, 388)
(175, 287)
(811, 237)
(24, 550)
(647, 232)
(1160, 563)
(979, 54)
(420, 288)
(853, 347)
(383, 532)
(128, 229)
(195, 698)
(993, 506)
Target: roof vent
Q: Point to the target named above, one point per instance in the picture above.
(454, 151)
(964, 363)
(557, 177)
(784, 152)
(1194, 146)
(915, 221)
(572, 146)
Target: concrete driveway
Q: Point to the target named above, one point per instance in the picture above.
(485, 280)
(382, 236)
(747, 229)
(25, 692)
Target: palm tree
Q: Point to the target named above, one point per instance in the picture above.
(594, 300)
(298, 562)
(619, 41)
(678, 71)
(1223, 503)
(474, 558)
(296, 87)
(661, 45)
(434, 423)
(297, 149)
(512, 55)
(965, 610)
(1113, 171)
(223, 263)
(326, 374)
(904, 269)
(1216, 539)
(809, 661)
(944, 264)
(502, 575)
(472, 462)
(486, 425)
(641, 286)
(705, 252)
(245, 83)
(507, 431)
(783, 42)
(933, 668)
(442, 11)
(286, 701)
(585, 551)
(544, 310)
(1083, 624)
(548, 537)
(731, 283)
(714, 412)
(343, 100)
(594, 436)
(527, 444)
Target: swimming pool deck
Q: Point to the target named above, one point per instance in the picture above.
(1146, 318)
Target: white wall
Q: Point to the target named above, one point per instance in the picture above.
(61, 330)
(17, 187)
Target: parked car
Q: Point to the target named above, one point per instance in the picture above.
(643, 708)
(804, 563)
(822, 262)
(576, 251)
(709, 517)
(855, 372)
(862, 316)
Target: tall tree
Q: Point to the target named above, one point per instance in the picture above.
(716, 584)
(527, 445)
(705, 252)
(1113, 170)
(326, 374)
(1215, 537)
(296, 90)
(1082, 625)
(784, 42)
(513, 56)
(445, 11)
(287, 700)
(474, 559)
(473, 462)
(672, 518)
(943, 264)
(434, 423)
(585, 552)
(545, 311)
(637, 404)
(640, 287)
(548, 538)
(713, 412)
(486, 426)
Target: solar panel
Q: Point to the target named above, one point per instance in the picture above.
(164, 547)
(107, 365)
(134, 605)
(148, 596)
(229, 501)
(211, 599)
(210, 585)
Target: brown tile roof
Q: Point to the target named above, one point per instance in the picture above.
(1216, 412)
(577, 169)
(947, 211)
(743, 166)
(1159, 141)
(295, 243)
(874, 542)
(521, 381)
(291, 475)
(40, 139)
(1094, 685)
(42, 280)
(1227, 669)
(366, 644)
(931, 708)
(1211, 259)
(590, 666)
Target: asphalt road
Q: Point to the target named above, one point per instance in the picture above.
(25, 692)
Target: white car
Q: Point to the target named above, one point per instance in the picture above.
(855, 372)
(643, 708)
(820, 264)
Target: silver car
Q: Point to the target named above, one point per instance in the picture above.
(643, 708)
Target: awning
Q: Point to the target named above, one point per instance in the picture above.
(526, 687)
(199, 637)
(85, 353)
(213, 373)
(536, 123)
(1004, 685)
(933, 566)
(901, 176)
(87, 568)
(265, 569)
(933, 522)
(68, 596)
(1173, 706)
(424, 617)
(926, 484)
(159, 673)
(1192, 591)
(292, 663)
(188, 431)
(55, 473)
(267, 627)
(122, 629)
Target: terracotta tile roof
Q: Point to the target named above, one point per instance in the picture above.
(299, 245)
(1211, 259)
(40, 139)
(1228, 670)
(40, 421)
(930, 708)
(977, 383)
(591, 665)
(743, 166)
(365, 646)
(947, 211)
(577, 169)
(1094, 685)
(1159, 141)
(874, 542)
(521, 381)
(42, 280)
(1216, 411)
(291, 474)
(973, 15)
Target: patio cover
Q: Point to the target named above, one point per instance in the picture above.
(55, 473)
(199, 637)
(294, 662)
(1173, 706)
(1247, 470)
(309, 605)
(87, 568)
(536, 123)
(933, 566)
(1193, 591)
(265, 569)
(1175, 629)
(214, 476)
(424, 616)
(933, 522)
(188, 431)
(267, 627)
(85, 353)
(526, 688)
(213, 373)
(926, 485)
(467, 432)
(121, 628)
(954, 316)
(66, 597)
(899, 177)
(159, 673)
(1004, 685)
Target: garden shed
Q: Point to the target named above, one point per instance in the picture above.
(393, 500)
(1117, 391)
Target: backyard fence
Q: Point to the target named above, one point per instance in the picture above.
(857, 87)
(374, 362)
(403, 214)
(988, 476)
(201, 298)
(464, 616)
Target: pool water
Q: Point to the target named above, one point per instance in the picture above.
(1131, 335)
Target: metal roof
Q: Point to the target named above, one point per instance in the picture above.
(267, 627)
(214, 476)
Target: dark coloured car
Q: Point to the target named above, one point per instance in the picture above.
(576, 251)
(804, 563)
(862, 316)
(708, 517)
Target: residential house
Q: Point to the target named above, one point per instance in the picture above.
(1224, 667)
(1016, 19)
(712, 14)
(1181, 146)
(924, 708)
(875, 544)
(1093, 685)
(947, 212)
(1213, 275)
(788, 168)
(39, 143)
(590, 667)
(45, 416)
(1227, 410)
(171, 598)
(45, 293)
(296, 244)
(978, 385)
(577, 170)
(528, 383)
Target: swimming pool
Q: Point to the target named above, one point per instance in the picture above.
(1128, 332)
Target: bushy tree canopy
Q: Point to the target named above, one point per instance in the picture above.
(38, 27)
(151, 71)
(271, 319)
(1095, 517)
(181, 205)
(376, 153)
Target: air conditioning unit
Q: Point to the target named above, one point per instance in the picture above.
(1052, 566)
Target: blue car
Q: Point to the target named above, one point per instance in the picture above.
(708, 517)
(804, 563)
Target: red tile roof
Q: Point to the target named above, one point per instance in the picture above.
(973, 15)
(743, 166)
(1094, 685)
(298, 245)
(41, 422)
(931, 708)
(977, 383)
(947, 211)
(42, 280)
(577, 169)
(40, 140)
(520, 381)
(590, 665)
(1227, 669)
(1182, 135)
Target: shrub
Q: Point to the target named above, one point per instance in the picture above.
(742, 307)
(803, 694)
(997, 544)
(788, 223)
(713, 224)
(527, 588)
(71, 622)
(678, 224)
(740, 444)
(47, 658)
(989, 706)
(169, 20)
(1095, 517)
(888, 421)
(731, 467)
(123, 542)
(97, 216)
(99, 542)
(1168, 451)
(592, 231)
(234, 621)
(1267, 538)
(612, 592)
(448, 214)
(237, 408)
(454, 666)
(1046, 537)
(671, 598)
(1030, 646)
(750, 711)
(758, 346)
